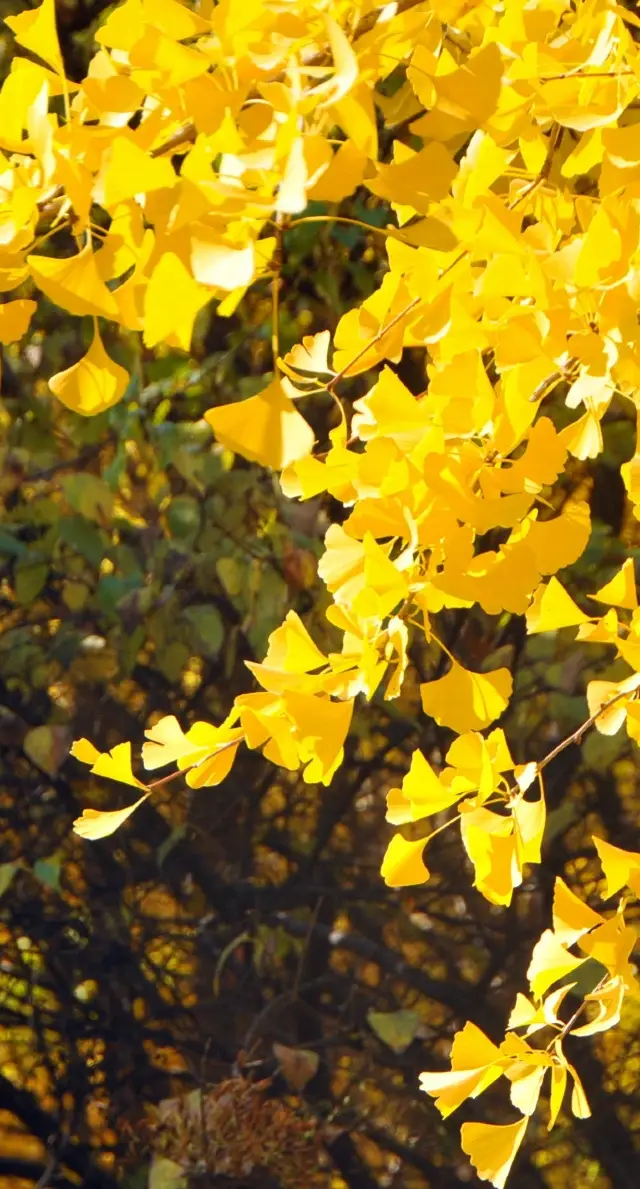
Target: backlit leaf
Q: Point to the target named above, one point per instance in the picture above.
(621, 590)
(620, 867)
(266, 428)
(36, 31)
(492, 1149)
(99, 823)
(74, 283)
(15, 317)
(550, 962)
(403, 865)
(466, 701)
(93, 384)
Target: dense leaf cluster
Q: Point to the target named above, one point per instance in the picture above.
(406, 605)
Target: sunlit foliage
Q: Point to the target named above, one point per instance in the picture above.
(500, 146)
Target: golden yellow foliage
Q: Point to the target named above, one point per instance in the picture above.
(172, 175)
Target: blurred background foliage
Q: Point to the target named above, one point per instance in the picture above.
(239, 942)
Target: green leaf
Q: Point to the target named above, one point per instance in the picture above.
(172, 660)
(48, 871)
(112, 588)
(47, 747)
(84, 537)
(30, 577)
(129, 648)
(207, 628)
(7, 872)
(268, 610)
(89, 495)
(183, 517)
(230, 575)
(558, 821)
(600, 751)
(11, 546)
(396, 1029)
(75, 595)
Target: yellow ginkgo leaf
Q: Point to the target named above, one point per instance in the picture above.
(608, 700)
(560, 541)
(321, 727)
(84, 750)
(608, 1000)
(36, 31)
(620, 591)
(611, 944)
(217, 767)
(74, 283)
(309, 356)
(525, 1014)
(99, 823)
(167, 743)
(345, 66)
(291, 648)
(415, 179)
(385, 586)
(343, 175)
(292, 191)
(526, 1087)
(116, 765)
(15, 317)
(172, 301)
(493, 1149)
(529, 820)
(131, 171)
(556, 1096)
(601, 631)
(402, 865)
(342, 564)
(550, 962)
(173, 18)
(215, 262)
(93, 384)
(621, 867)
(421, 795)
(266, 428)
(572, 918)
(475, 1063)
(579, 1102)
(467, 701)
(552, 608)
(490, 843)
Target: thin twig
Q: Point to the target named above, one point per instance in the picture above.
(278, 260)
(581, 730)
(372, 342)
(555, 137)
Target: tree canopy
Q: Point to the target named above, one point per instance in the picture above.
(321, 490)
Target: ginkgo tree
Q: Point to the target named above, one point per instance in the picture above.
(503, 143)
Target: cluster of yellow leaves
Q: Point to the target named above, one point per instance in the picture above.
(477, 1063)
(498, 843)
(294, 720)
(176, 170)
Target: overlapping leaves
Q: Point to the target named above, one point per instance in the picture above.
(172, 175)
